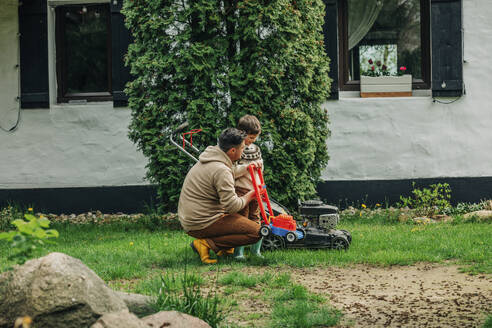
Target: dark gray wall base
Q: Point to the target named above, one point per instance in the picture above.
(133, 199)
(127, 199)
(347, 193)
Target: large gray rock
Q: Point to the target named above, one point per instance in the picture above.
(121, 319)
(174, 319)
(56, 291)
(141, 305)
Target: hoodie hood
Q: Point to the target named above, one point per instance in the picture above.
(215, 154)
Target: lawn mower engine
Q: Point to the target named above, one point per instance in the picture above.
(319, 215)
(316, 224)
(319, 221)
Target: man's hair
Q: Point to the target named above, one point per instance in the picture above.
(249, 124)
(231, 137)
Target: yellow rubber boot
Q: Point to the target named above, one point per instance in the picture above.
(225, 252)
(201, 247)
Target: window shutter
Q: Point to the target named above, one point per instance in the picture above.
(121, 38)
(330, 31)
(447, 48)
(33, 29)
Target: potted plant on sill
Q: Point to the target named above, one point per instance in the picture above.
(377, 81)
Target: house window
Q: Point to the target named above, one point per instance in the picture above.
(83, 52)
(392, 33)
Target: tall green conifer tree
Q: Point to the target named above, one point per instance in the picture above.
(209, 62)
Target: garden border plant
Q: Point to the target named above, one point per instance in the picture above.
(209, 63)
(30, 237)
(428, 201)
(10, 213)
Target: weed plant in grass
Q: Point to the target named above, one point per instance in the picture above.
(183, 293)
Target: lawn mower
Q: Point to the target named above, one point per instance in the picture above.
(314, 228)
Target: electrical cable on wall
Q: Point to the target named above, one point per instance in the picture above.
(6, 16)
(445, 102)
(435, 100)
(12, 129)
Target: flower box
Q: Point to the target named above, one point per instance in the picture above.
(386, 86)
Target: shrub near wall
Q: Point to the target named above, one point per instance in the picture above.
(210, 62)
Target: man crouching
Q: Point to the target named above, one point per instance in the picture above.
(208, 203)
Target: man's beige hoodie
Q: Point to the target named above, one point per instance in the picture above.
(208, 191)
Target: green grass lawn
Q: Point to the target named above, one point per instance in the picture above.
(132, 258)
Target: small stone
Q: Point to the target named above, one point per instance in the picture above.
(119, 319)
(404, 217)
(174, 319)
(405, 209)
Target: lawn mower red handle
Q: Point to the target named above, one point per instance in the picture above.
(260, 192)
(178, 130)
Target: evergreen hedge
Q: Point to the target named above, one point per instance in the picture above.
(209, 62)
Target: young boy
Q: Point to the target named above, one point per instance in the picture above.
(251, 154)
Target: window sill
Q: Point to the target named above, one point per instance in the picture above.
(85, 105)
(416, 93)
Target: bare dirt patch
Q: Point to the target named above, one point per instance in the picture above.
(422, 295)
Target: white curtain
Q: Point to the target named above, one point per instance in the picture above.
(361, 16)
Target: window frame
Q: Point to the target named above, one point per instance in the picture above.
(343, 68)
(61, 55)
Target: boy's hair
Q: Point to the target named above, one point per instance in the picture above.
(231, 137)
(249, 124)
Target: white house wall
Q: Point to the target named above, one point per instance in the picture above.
(395, 138)
(71, 146)
(411, 138)
(82, 145)
(9, 60)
